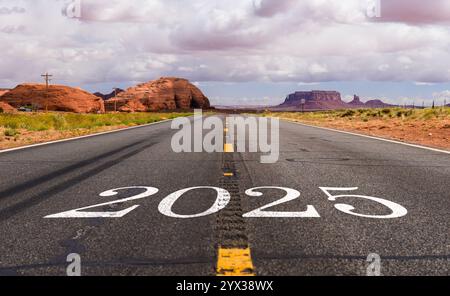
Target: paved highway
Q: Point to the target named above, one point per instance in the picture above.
(50, 179)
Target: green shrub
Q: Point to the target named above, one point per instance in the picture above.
(386, 111)
(348, 113)
(11, 132)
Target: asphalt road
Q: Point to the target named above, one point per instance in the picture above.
(59, 177)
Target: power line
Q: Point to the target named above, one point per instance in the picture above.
(47, 80)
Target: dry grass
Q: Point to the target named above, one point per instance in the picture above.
(429, 127)
(24, 129)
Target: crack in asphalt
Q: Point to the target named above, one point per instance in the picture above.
(10, 211)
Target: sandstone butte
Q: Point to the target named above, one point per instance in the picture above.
(166, 93)
(57, 98)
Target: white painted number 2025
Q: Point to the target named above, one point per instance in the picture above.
(223, 198)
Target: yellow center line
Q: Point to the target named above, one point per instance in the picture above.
(234, 262)
(228, 147)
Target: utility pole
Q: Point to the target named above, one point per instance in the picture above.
(47, 80)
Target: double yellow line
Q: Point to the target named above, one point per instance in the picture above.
(233, 261)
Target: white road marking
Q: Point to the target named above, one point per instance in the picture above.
(372, 137)
(223, 198)
(291, 194)
(77, 213)
(81, 137)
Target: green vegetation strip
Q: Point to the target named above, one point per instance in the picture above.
(71, 122)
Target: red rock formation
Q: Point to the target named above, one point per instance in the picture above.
(3, 91)
(57, 98)
(5, 107)
(167, 93)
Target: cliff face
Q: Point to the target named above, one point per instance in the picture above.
(167, 93)
(57, 98)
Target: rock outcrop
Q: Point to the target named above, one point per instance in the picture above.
(57, 98)
(356, 102)
(167, 93)
(3, 91)
(6, 108)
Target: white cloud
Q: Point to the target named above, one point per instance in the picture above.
(203, 40)
(442, 95)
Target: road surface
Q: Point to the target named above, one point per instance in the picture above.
(50, 179)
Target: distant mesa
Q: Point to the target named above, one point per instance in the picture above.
(110, 95)
(166, 93)
(324, 100)
(57, 98)
(314, 100)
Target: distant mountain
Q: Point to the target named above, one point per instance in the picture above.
(377, 104)
(324, 100)
(110, 95)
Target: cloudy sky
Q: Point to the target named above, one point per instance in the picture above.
(237, 51)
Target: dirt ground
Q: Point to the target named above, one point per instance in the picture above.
(432, 132)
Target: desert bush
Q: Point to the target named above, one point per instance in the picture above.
(11, 132)
(348, 113)
(386, 111)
